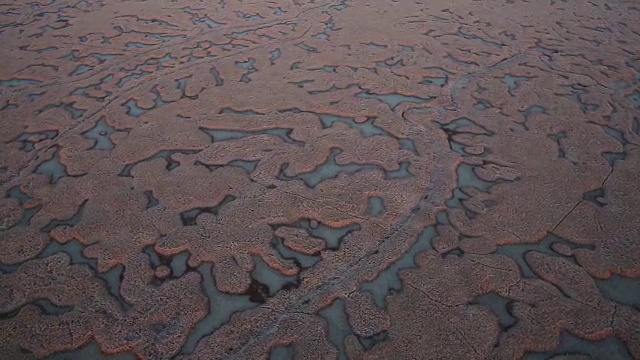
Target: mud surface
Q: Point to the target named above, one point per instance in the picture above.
(319, 179)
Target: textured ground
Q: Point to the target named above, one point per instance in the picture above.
(320, 179)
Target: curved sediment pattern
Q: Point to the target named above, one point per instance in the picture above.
(319, 179)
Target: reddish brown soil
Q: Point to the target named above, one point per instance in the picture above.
(320, 179)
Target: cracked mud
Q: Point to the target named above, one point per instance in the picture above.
(320, 179)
